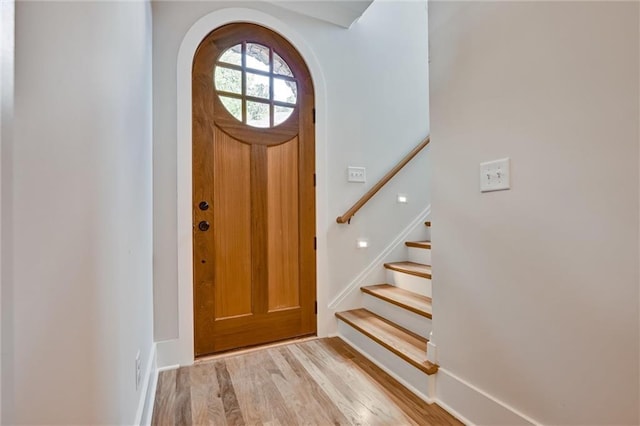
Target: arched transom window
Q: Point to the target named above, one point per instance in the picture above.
(255, 85)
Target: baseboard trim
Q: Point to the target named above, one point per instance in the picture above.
(377, 263)
(148, 391)
(168, 367)
(472, 405)
(454, 413)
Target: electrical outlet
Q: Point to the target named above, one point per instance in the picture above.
(138, 370)
(356, 174)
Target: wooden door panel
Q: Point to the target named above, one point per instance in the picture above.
(254, 269)
(231, 231)
(259, 244)
(234, 333)
(283, 226)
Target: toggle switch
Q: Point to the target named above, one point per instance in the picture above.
(356, 174)
(495, 175)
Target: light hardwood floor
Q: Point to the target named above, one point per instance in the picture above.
(315, 382)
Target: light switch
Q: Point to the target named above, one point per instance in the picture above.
(495, 175)
(356, 174)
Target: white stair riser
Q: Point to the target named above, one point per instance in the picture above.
(409, 282)
(412, 378)
(419, 255)
(404, 318)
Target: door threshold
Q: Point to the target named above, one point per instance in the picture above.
(234, 352)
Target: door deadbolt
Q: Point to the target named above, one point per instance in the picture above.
(203, 226)
(203, 205)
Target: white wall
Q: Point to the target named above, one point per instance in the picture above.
(536, 289)
(377, 110)
(7, 58)
(81, 211)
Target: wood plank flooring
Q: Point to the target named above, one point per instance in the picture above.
(315, 382)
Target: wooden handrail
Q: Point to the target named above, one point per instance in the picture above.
(346, 217)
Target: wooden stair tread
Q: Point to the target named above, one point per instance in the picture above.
(428, 223)
(412, 268)
(408, 346)
(419, 244)
(408, 300)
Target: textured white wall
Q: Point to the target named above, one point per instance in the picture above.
(81, 211)
(536, 289)
(376, 77)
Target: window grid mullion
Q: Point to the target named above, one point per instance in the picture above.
(243, 61)
(271, 107)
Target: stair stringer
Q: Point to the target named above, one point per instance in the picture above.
(422, 385)
(350, 297)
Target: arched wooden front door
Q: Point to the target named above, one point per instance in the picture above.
(253, 190)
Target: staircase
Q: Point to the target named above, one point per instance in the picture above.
(393, 327)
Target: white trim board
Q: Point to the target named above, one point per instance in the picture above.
(180, 351)
(473, 406)
(148, 391)
(379, 261)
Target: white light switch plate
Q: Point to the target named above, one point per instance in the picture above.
(495, 175)
(356, 174)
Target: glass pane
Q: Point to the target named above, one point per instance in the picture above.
(285, 90)
(228, 80)
(257, 85)
(280, 66)
(257, 57)
(257, 114)
(281, 114)
(233, 105)
(233, 55)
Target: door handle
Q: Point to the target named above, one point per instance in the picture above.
(203, 226)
